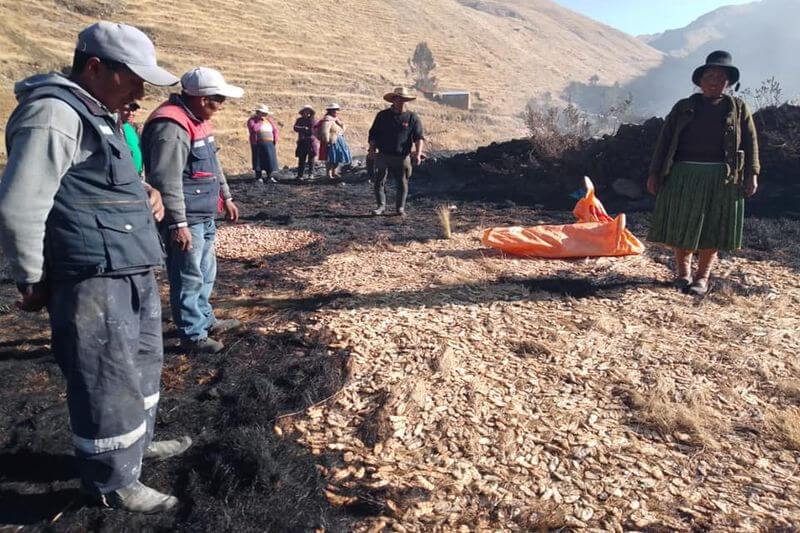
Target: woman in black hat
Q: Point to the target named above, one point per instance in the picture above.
(705, 164)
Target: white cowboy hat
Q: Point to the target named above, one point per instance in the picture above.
(333, 106)
(401, 93)
(263, 108)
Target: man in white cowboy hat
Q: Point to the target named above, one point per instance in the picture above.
(78, 231)
(180, 158)
(393, 135)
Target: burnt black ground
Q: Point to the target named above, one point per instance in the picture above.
(238, 476)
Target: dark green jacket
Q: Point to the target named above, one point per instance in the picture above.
(741, 141)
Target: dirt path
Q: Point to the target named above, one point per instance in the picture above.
(391, 379)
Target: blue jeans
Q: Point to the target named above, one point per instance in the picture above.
(191, 280)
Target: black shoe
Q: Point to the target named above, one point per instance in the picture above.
(699, 287)
(682, 284)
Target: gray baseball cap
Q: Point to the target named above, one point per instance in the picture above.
(127, 45)
(204, 81)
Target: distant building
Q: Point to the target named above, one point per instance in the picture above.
(459, 99)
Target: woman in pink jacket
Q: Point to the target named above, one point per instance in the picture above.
(263, 132)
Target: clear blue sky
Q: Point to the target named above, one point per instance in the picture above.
(639, 16)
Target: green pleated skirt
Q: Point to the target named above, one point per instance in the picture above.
(697, 209)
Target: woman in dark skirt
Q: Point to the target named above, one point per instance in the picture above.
(705, 164)
(263, 138)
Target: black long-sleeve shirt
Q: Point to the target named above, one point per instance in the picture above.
(395, 133)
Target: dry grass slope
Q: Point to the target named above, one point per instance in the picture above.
(287, 54)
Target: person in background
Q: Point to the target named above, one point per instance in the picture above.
(180, 160)
(78, 230)
(394, 132)
(127, 115)
(334, 149)
(705, 164)
(307, 142)
(264, 133)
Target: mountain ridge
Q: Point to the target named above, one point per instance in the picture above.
(289, 53)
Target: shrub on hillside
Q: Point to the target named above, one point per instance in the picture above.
(769, 94)
(421, 66)
(554, 130)
(97, 9)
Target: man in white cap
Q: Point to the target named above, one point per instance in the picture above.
(394, 133)
(180, 159)
(77, 227)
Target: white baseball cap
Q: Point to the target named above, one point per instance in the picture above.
(127, 45)
(204, 81)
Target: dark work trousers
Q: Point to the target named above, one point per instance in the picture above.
(107, 341)
(399, 168)
(306, 156)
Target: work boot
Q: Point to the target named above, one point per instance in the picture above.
(206, 345)
(164, 449)
(379, 211)
(221, 326)
(139, 498)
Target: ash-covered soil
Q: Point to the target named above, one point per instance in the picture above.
(390, 380)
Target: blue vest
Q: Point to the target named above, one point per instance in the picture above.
(201, 185)
(101, 221)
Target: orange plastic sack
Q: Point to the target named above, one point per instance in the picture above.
(595, 234)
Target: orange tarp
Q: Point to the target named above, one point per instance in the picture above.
(595, 234)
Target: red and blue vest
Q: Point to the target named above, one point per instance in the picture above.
(201, 184)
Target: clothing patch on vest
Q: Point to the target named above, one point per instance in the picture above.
(105, 129)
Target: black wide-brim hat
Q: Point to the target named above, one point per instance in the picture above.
(719, 59)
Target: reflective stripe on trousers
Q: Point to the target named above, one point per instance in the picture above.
(107, 341)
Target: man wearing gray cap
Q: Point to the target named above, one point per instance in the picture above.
(180, 158)
(76, 224)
